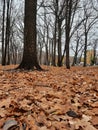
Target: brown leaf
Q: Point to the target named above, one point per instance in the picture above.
(5, 102)
(95, 120)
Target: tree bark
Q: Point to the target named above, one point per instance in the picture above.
(59, 43)
(85, 50)
(67, 33)
(76, 53)
(3, 32)
(29, 60)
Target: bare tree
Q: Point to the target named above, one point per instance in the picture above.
(29, 60)
(89, 22)
(6, 31)
(78, 48)
(71, 7)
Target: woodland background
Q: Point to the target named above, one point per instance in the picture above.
(58, 30)
(56, 97)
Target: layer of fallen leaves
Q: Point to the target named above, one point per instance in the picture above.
(56, 99)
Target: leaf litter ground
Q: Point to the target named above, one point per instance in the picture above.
(56, 99)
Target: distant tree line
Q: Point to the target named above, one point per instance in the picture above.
(53, 29)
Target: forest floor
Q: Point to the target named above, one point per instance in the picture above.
(55, 99)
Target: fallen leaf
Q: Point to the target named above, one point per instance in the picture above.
(95, 120)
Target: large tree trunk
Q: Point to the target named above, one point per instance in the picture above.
(29, 60)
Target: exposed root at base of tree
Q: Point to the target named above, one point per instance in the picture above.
(29, 66)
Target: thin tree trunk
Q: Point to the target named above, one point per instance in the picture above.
(59, 44)
(40, 54)
(76, 52)
(3, 20)
(7, 35)
(85, 51)
(95, 46)
(46, 46)
(67, 33)
(54, 46)
(67, 53)
(55, 32)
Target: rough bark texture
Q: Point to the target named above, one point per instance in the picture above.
(67, 33)
(29, 60)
